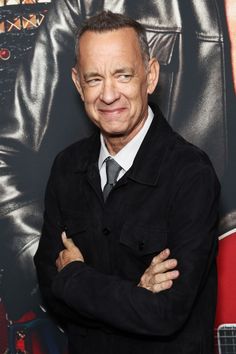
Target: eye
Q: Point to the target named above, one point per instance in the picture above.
(93, 82)
(124, 77)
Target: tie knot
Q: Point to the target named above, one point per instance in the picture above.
(112, 169)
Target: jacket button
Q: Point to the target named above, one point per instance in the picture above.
(141, 246)
(106, 231)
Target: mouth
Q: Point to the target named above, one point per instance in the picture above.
(112, 112)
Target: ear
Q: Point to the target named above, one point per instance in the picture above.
(153, 75)
(76, 80)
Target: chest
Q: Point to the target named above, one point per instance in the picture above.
(122, 235)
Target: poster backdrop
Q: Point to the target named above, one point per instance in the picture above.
(41, 114)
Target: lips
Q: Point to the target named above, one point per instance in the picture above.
(113, 111)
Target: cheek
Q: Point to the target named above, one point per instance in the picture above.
(136, 91)
(91, 95)
(90, 108)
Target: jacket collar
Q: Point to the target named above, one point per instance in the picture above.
(87, 153)
(148, 161)
(153, 151)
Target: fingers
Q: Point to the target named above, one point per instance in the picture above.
(160, 282)
(157, 268)
(67, 242)
(59, 263)
(161, 256)
(157, 288)
(163, 277)
(150, 278)
(164, 266)
(69, 254)
(161, 273)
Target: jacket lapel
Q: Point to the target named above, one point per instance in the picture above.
(87, 162)
(153, 151)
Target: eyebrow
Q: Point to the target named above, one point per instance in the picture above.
(124, 69)
(92, 74)
(89, 75)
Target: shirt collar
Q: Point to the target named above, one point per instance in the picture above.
(126, 155)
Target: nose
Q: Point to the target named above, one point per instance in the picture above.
(109, 92)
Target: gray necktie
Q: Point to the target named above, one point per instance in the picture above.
(112, 169)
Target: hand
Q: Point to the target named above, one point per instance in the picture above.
(69, 254)
(159, 275)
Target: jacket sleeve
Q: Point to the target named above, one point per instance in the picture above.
(49, 247)
(192, 240)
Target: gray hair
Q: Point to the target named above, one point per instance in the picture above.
(110, 21)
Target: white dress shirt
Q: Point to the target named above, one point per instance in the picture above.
(125, 157)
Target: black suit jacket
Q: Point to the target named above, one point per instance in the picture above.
(168, 198)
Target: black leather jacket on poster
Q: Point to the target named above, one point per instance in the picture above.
(46, 113)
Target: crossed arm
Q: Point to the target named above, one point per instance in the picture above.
(157, 277)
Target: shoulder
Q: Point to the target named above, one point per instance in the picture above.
(191, 163)
(76, 154)
(188, 154)
(181, 153)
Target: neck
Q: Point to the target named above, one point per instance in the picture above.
(115, 144)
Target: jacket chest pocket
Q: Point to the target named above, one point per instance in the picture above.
(143, 240)
(74, 224)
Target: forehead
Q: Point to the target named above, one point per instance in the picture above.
(110, 44)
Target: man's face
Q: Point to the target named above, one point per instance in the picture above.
(113, 81)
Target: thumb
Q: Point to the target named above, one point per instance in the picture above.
(67, 242)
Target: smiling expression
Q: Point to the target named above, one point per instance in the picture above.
(114, 82)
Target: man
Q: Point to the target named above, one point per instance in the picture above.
(121, 197)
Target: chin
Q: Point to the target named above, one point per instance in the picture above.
(114, 131)
(113, 134)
